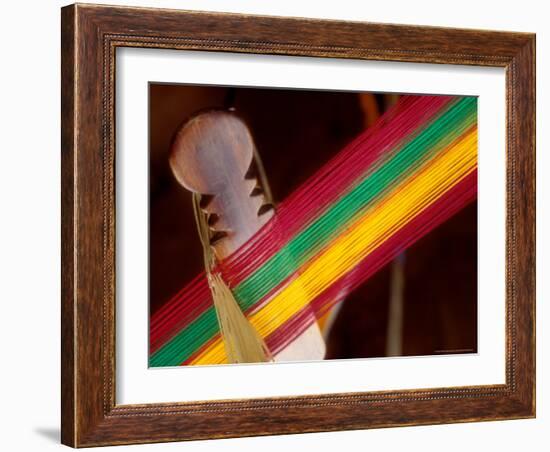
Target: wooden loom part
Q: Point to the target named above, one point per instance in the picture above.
(211, 155)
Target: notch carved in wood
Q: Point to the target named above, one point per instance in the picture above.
(212, 154)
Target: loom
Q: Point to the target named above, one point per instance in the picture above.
(406, 174)
(211, 155)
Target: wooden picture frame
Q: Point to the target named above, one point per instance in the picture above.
(90, 36)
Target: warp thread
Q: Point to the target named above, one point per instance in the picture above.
(408, 173)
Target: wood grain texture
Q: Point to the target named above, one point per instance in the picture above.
(90, 36)
(68, 297)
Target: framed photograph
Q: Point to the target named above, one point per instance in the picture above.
(282, 225)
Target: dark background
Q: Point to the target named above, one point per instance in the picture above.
(296, 132)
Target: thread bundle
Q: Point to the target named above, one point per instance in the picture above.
(408, 173)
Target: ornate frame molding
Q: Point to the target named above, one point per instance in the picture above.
(90, 36)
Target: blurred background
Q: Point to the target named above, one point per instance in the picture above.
(423, 303)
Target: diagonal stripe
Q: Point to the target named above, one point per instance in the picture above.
(405, 201)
